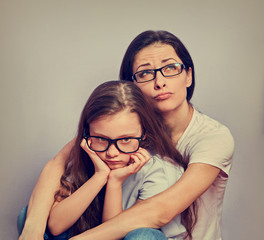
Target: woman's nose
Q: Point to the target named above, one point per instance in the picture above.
(160, 81)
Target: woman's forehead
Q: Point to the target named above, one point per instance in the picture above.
(155, 53)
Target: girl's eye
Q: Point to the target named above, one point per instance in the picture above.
(125, 140)
(101, 140)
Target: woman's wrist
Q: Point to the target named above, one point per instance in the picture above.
(32, 231)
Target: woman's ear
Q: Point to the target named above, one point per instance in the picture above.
(189, 77)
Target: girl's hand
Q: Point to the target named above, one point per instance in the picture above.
(137, 161)
(99, 165)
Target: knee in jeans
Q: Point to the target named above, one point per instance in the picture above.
(145, 233)
(21, 220)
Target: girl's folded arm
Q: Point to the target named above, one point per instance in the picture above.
(65, 213)
(195, 181)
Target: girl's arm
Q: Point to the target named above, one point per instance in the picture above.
(113, 199)
(65, 213)
(113, 194)
(196, 180)
(42, 196)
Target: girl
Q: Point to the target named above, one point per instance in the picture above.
(116, 126)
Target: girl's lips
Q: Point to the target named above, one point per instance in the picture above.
(163, 96)
(113, 162)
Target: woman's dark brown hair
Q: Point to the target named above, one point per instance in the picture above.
(108, 99)
(148, 38)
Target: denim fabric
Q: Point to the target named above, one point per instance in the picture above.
(47, 236)
(145, 233)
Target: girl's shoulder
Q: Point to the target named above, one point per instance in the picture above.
(159, 166)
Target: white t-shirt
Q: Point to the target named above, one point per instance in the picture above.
(208, 141)
(155, 176)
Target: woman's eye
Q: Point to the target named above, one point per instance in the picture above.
(171, 67)
(143, 74)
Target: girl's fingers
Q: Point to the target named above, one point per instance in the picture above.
(87, 149)
(142, 155)
(84, 146)
(94, 157)
(139, 159)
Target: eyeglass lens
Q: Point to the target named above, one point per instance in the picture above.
(126, 145)
(167, 71)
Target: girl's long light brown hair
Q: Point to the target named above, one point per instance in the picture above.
(108, 99)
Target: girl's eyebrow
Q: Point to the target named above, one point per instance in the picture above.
(163, 61)
(127, 135)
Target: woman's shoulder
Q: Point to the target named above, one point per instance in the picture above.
(204, 128)
(207, 141)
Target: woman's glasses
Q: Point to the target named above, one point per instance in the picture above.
(124, 145)
(169, 70)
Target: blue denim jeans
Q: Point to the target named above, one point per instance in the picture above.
(47, 235)
(138, 234)
(145, 234)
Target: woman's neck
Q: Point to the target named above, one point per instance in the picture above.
(178, 120)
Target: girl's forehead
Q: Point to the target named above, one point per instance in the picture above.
(117, 125)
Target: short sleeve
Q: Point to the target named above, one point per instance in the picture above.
(215, 148)
(160, 176)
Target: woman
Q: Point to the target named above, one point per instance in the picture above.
(163, 69)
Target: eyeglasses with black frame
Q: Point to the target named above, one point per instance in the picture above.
(169, 70)
(124, 145)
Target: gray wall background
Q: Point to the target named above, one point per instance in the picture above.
(53, 54)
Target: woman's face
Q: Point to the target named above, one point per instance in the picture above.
(166, 93)
(120, 125)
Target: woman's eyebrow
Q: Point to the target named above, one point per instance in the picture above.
(163, 61)
(143, 65)
(167, 59)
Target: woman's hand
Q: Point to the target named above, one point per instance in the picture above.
(30, 235)
(99, 165)
(137, 161)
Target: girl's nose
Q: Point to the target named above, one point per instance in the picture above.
(112, 151)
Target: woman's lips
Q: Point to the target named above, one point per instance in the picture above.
(163, 96)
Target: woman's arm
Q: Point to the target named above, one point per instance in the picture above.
(196, 180)
(42, 196)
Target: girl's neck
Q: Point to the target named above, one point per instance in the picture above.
(178, 120)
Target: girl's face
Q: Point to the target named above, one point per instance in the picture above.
(166, 93)
(120, 125)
